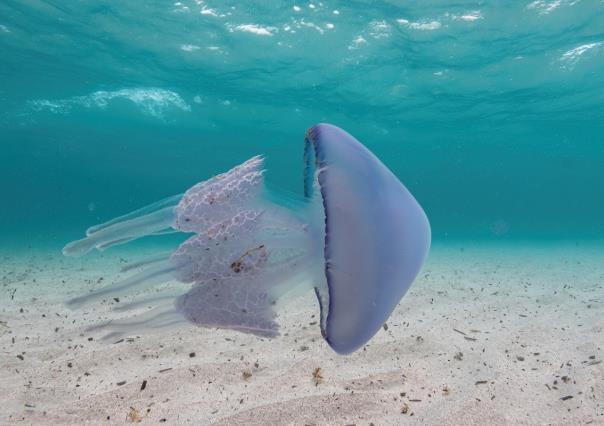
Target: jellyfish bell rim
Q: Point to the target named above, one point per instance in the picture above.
(377, 236)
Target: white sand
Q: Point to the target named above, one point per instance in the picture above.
(535, 317)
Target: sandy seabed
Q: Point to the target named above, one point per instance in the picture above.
(488, 334)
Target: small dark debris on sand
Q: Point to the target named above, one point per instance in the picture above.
(317, 376)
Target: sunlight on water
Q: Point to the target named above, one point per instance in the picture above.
(490, 112)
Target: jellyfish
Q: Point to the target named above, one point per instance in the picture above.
(356, 237)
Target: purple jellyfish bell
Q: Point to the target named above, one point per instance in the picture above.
(358, 237)
(376, 236)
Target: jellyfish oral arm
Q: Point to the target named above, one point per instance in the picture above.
(249, 248)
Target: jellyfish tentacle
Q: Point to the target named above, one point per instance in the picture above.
(149, 317)
(146, 261)
(157, 274)
(105, 245)
(166, 231)
(121, 232)
(119, 331)
(160, 296)
(158, 317)
(158, 205)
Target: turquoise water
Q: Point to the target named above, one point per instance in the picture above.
(491, 113)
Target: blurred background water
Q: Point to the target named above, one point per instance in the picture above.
(491, 113)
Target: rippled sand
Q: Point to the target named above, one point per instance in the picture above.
(488, 335)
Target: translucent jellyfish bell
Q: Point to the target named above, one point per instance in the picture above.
(358, 238)
(376, 236)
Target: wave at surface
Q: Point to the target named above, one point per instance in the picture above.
(151, 101)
